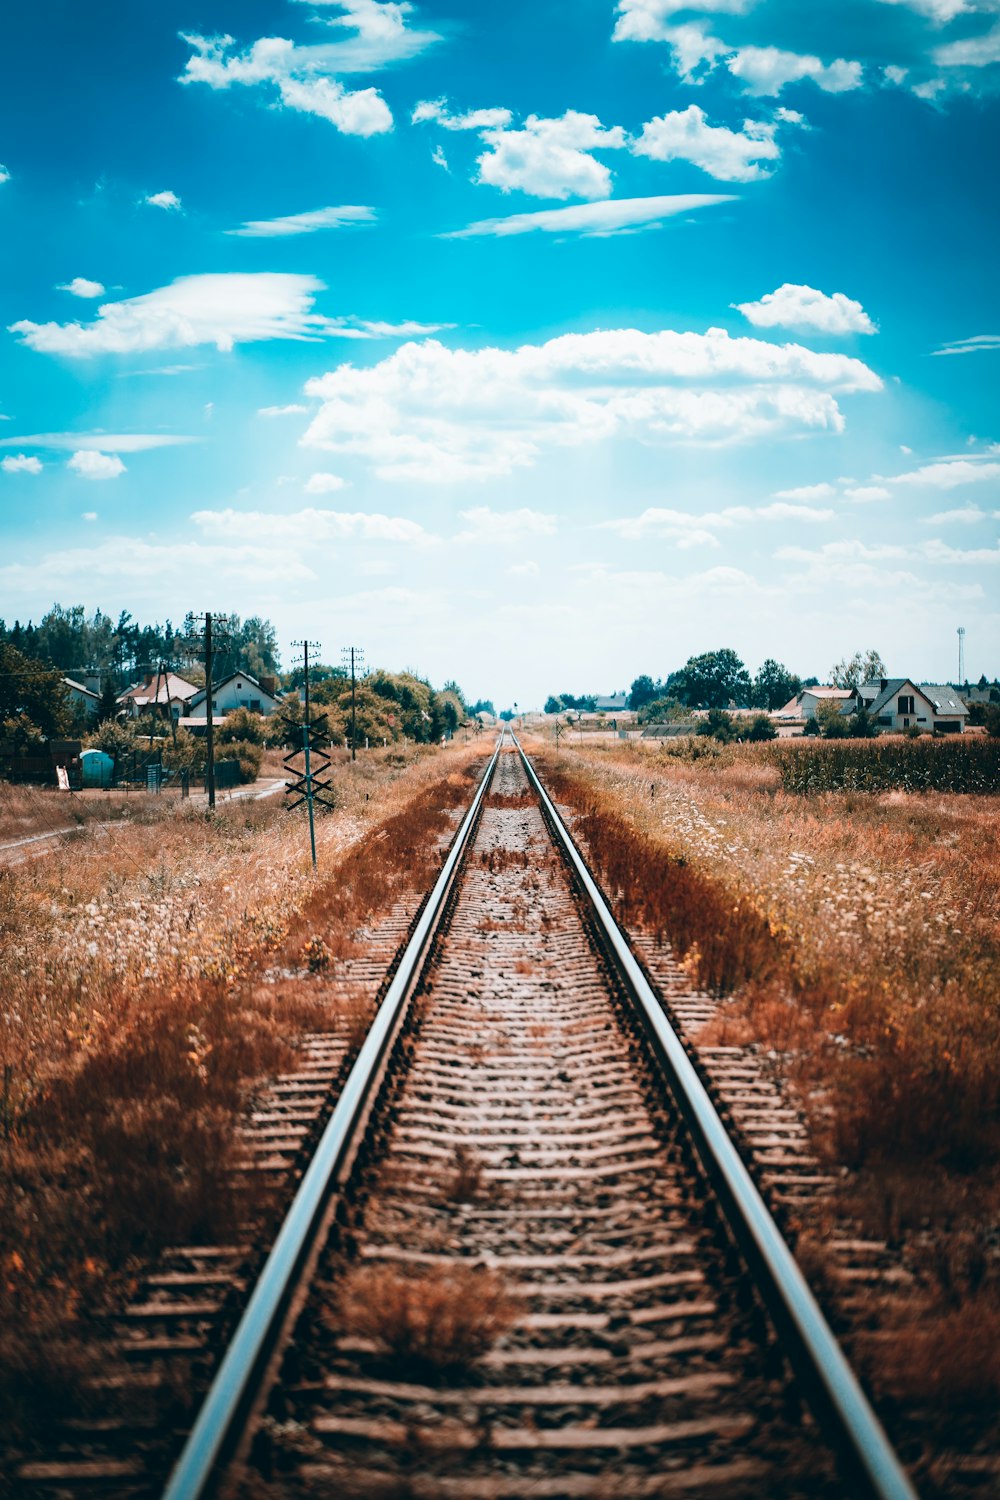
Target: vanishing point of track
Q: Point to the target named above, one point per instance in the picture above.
(523, 1130)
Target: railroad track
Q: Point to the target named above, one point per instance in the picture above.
(525, 1258)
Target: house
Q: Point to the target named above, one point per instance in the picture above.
(82, 697)
(896, 703)
(804, 704)
(163, 693)
(613, 703)
(238, 690)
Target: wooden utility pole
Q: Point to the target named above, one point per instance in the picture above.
(353, 656)
(209, 717)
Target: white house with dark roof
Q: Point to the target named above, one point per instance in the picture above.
(81, 696)
(805, 703)
(896, 703)
(238, 690)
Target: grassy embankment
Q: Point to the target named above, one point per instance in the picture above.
(858, 935)
(136, 1017)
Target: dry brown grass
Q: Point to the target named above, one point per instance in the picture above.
(433, 1323)
(135, 1021)
(858, 936)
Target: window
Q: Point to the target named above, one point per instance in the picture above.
(906, 703)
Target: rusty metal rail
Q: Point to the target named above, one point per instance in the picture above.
(217, 1428)
(836, 1398)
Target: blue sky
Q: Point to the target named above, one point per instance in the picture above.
(535, 345)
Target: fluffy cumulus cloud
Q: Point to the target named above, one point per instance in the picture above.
(822, 491)
(307, 78)
(81, 287)
(803, 307)
(346, 217)
(429, 413)
(166, 200)
(304, 527)
(219, 309)
(323, 484)
(594, 220)
(730, 155)
(649, 20)
(91, 464)
(767, 70)
(4, 174)
(21, 463)
(550, 158)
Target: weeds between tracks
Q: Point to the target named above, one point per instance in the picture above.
(137, 1015)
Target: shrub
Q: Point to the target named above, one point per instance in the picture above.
(718, 725)
(185, 753)
(115, 738)
(242, 727)
(760, 728)
(249, 757)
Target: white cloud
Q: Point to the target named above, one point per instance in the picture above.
(432, 414)
(81, 287)
(766, 70)
(731, 155)
(648, 20)
(21, 463)
(345, 217)
(689, 529)
(294, 409)
(437, 110)
(948, 474)
(217, 309)
(980, 343)
(550, 158)
(4, 174)
(366, 328)
(439, 159)
(967, 515)
(806, 492)
(942, 11)
(88, 515)
(972, 557)
(166, 200)
(803, 307)
(492, 526)
(99, 442)
(864, 494)
(179, 568)
(90, 464)
(595, 220)
(323, 484)
(307, 78)
(970, 52)
(524, 570)
(307, 527)
(695, 50)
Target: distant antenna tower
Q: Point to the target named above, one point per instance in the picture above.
(961, 655)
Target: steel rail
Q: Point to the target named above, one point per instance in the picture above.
(216, 1428)
(831, 1387)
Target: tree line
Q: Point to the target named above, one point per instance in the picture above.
(719, 679)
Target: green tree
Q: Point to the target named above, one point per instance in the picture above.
(31, 694)
(242, 725)
(863, 666)
(719, 725)
(712, 680)
(774, 685)
(642, 691)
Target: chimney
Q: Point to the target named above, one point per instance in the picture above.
(884, 683)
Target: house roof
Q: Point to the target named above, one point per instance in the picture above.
(876, 696)
(201, 694)
(611, 701)
(159, 688)
(826, 692)
(78, 687)
(944, 699)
